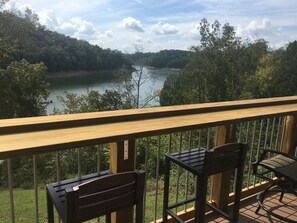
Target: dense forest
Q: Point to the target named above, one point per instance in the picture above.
(225, 67)
(164, 58)
(27, 39)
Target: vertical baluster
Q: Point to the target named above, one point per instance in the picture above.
(199, 138)
(277, 133)
(58, 166)
(170, 143)
(79, 162)
(259, 143)
(178, 169)
(283, 132)
(146, 170)
(240, 132)
(272, 134)
(208, 138)
(35, 188)
(157, 179)
(188, 174)
(251, 155)
(266, 133)
(99, 153)
(10, 187)
(247, 132)
(99, 166)
(211, 178)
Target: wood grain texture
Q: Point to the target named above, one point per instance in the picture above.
(41, 140)
(290, 134)
(8, 126)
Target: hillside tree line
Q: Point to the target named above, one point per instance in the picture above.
(225, 67)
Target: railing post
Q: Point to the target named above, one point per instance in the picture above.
(290, 133)
(222, 181)
(122, 159)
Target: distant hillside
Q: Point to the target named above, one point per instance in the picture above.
(164, 58)
(28, 40)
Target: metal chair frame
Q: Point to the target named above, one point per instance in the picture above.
(284, 167)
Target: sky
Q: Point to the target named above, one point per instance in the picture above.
(154, 25)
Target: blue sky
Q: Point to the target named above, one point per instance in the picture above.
(168, 24)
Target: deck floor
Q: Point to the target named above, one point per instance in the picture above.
(287, 209)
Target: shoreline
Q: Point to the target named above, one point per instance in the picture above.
(78, 73)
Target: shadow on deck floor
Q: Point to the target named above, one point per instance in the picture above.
(287, 208)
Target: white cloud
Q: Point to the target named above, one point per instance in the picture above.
(109, 33)
(194, 33)
(164, 29)
(263, 26)
(83, 26)
(16, 7)
(132, 24)
(138, 39)
(255, 28)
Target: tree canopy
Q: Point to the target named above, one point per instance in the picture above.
(225, 67)
(35, 43)
(23, 90)
(164, 58)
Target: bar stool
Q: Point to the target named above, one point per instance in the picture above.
(95, 195)
(204, 163)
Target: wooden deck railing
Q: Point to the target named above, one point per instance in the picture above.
(31, 136)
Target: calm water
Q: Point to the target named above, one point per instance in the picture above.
(82, 84)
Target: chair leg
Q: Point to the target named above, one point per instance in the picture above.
(50, 210)
(200, 202)
(108, 218)
(238, 188)
(139, 211)
(282, 195)
(166, 188)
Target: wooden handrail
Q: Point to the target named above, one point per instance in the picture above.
(32, 135)
(17, 125)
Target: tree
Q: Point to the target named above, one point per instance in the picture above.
(218, 68)
(130, 85)
(262, 84)
(34, 43)
(287, 76)
(23, 90)
(93, 101)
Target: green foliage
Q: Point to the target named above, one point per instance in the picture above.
(35, 43)
(91, 102)
(287, 76)
(226, 68)
(164, 58)
(23, 90)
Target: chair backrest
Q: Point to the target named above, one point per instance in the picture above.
(225, 157)
(104, 195)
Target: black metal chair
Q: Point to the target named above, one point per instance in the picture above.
(204, 163)
(284, 167)
(95, 195)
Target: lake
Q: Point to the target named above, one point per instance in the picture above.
(101, 82)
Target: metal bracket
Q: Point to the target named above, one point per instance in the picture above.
(126, 151)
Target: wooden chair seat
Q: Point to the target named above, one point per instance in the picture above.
(95, 195)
